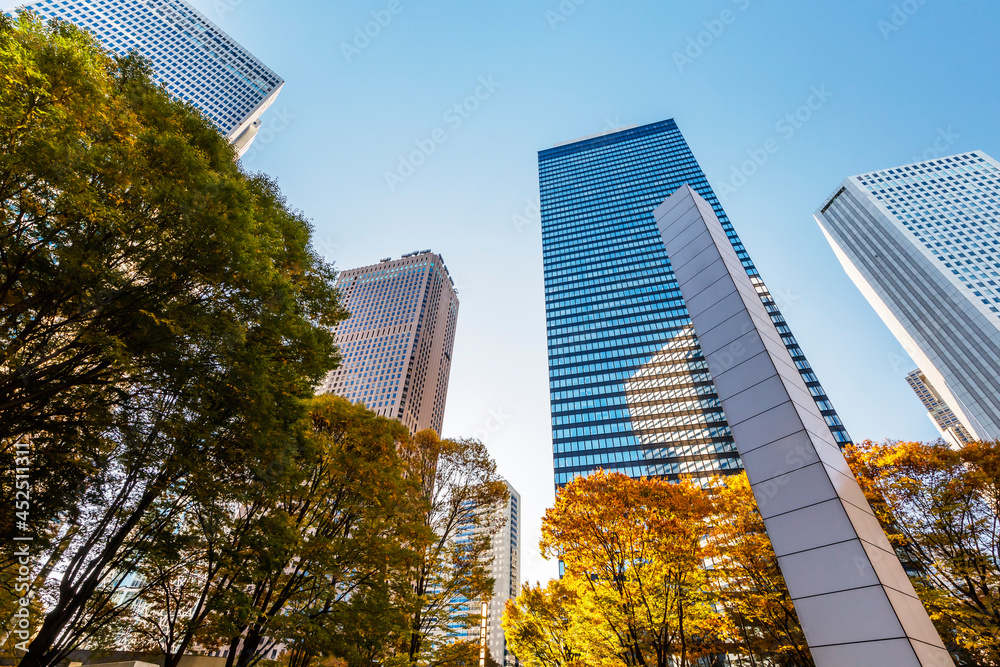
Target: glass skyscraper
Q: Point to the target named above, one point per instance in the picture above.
(191, 57)
(630, 388)
(922, 243)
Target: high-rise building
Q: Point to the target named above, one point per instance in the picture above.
(922, 243)
(944, 418)
(190, 56)
(505, 549)
(397, 344)
(630, 388)
(506, 575)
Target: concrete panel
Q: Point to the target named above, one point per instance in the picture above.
(792, 532)
(696, 243)
(779, 457)
(849, 617)
(883, 564)
(709, 275)
(690, 266)
(754, 401)
(681, 232)
(792, 491)
(913, 617)
(721, 311)
(713, 294)
(867, 526)
(837, 567)
(893, 652)
(753, 371)
(848, 489)
(765, 428)
(734, 348)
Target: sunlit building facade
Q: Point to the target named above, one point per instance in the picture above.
(397, 343)
(944, 418)
(191, 57)
(630, 388)
(922, 244)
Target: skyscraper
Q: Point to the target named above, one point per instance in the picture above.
(505, 549)
(191, 57)
(397, 343)
(922, 243)
(630, 388)
(506, 575)
(944, 418)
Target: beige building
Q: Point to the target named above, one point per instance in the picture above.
(944, 418)
(398, 341)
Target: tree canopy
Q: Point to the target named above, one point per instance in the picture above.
(163, 316)
(656, 573)
(940, 508)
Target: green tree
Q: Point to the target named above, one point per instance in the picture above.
(354, 519)
(163, 317)
(537, 625)
(940, 508)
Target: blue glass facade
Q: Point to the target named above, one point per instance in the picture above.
(630, 388)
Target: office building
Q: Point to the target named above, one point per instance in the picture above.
(506, 553)
(922, 243)
(190, 56)
(630, 388)
(397, 343)
(944, 418)
(506, 575)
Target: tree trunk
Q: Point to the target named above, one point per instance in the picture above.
(42, 651)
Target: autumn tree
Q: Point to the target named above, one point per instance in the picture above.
(762, 621)
(464, 501)
(537, 625)
(633, 551)
(940, 508)
(163, 317)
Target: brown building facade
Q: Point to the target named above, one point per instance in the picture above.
(397, 343)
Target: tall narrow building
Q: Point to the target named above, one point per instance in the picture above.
(505, 550)
(630, 388)
(190, 56)
(397, 344)
(944, 418)
(922, 243)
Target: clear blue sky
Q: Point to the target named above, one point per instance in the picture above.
(895, 81)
